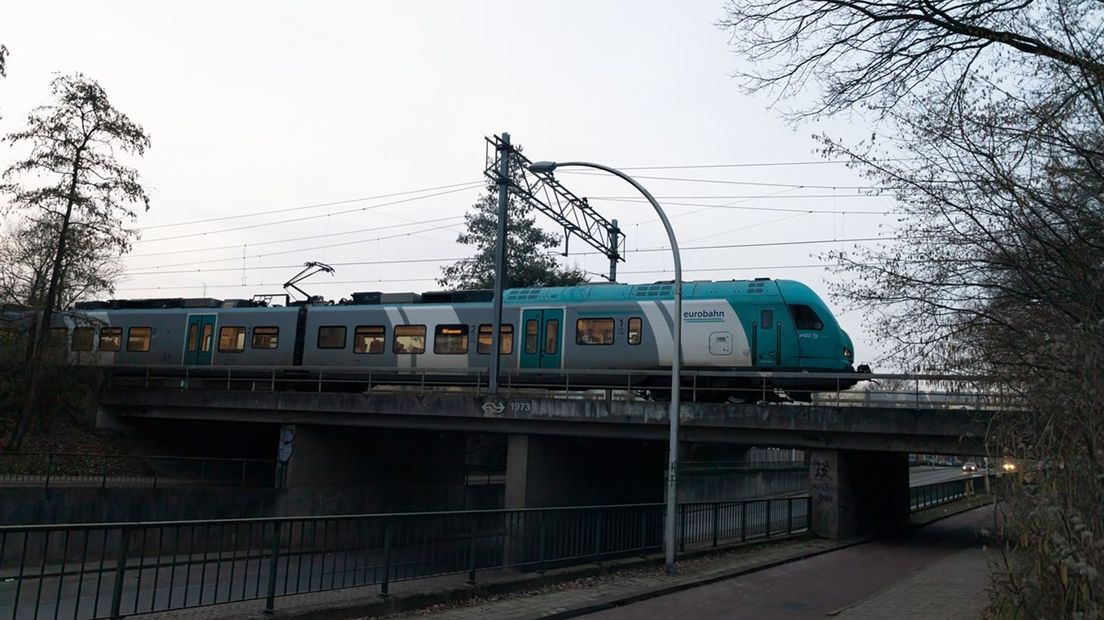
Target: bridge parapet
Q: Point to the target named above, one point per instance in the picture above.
(947, 430)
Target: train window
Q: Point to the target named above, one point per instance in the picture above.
(205, 341)
(551, 336)
(231, 339)
(636, 330)
(82, 338)
(594, 331)
(409, 339)
(805, 317)
(331, 337)
(138, 339)
(766, 319)
(193, 336)
(56, 337)
(266, 337)
(450, 339)
(369, 339)
(506, 342)
(531, 330)
(111, 338)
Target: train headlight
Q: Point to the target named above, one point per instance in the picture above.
(848, 353)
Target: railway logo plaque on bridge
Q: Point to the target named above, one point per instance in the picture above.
(493, 408)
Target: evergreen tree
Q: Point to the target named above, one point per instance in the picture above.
(529, 249)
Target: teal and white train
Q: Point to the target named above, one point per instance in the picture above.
(739, 325)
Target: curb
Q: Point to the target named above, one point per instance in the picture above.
(672, 589)
(402, 603)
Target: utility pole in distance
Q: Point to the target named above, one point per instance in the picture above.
(503, 156)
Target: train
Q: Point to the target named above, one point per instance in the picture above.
(728, 326)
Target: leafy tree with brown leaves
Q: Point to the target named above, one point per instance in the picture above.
(72, 182)
(990, 118)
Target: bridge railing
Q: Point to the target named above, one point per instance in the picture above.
(924, 391)
(112, 570)
(50, 469)
(931, 495)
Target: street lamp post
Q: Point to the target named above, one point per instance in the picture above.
(676, 349)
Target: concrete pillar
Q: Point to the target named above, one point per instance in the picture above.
(858, 492)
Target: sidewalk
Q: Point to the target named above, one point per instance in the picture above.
(951, 589)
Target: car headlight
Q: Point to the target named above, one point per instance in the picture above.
(848, 353)
(1009, 467)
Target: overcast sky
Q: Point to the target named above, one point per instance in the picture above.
(259, 106)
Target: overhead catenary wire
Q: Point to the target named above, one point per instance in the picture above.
(237, 246)
(393, 280)
(317, 205)
(743, 183)
(304, 218)
(591, 253)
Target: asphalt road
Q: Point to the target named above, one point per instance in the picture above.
(919, 476)
(812, 588)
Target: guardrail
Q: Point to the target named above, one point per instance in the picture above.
(924, 391)
(47, 469)
(930, 495)
(112, 570)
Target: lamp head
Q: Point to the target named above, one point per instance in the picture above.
(542, 166)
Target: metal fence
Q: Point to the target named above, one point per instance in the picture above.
(41, 469)
(917, 391)
(929, 495)
(113, 570)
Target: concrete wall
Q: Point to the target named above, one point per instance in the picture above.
(23, 506)
(546, 471)
(855, 492)
(742, 484)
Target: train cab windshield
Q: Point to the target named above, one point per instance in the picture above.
(805, 317)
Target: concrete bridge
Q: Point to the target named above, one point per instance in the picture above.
(563, 448)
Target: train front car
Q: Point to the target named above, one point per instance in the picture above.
(820, 345)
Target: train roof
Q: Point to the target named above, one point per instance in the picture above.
(792, 291)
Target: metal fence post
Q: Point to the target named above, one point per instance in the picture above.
(743, 521)
(716, 521)
(789, 516)
(120, 572)
(598, 534)
(471, 548)
(49, 468)
(768, 520)
(540, 541)
(273, 562)
(682, 527)
(385, 584)
(244, 463)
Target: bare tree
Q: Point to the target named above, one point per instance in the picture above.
(70, 181)
(27, 250)
(990, 120)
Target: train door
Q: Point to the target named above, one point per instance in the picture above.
(199, 340)
(542, 332)
(767, 339)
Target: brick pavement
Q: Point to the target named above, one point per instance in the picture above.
(951, 589)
